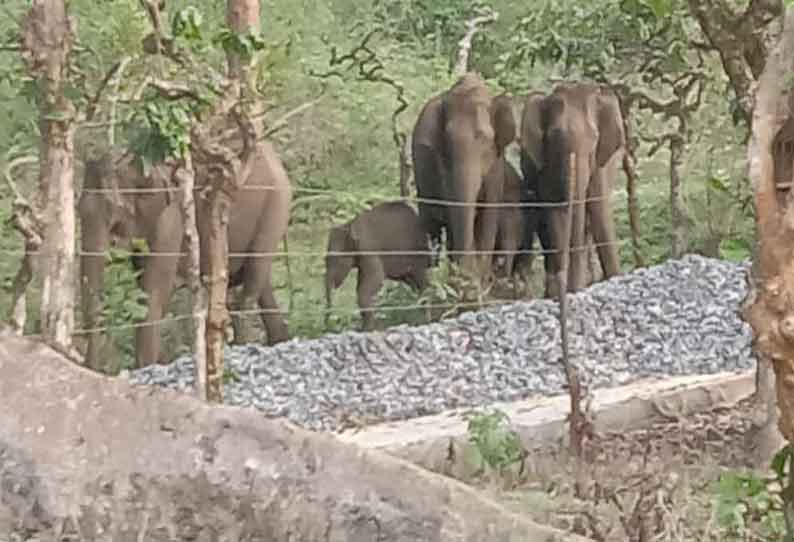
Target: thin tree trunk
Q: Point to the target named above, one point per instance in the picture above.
(629, 168)
(48, 38)
(404, 164)
(186, 177)
(634, 213)
(241, 16)
(678, 215)
(770, 307)
(217, 313)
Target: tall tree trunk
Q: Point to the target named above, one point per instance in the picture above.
(678, 214)
(47, 42)
(770, 308)
(242, 16)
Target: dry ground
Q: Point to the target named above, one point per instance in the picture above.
(661, 483)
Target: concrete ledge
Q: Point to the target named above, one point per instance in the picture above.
(438, 442)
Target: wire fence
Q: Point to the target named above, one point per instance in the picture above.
(322, 252)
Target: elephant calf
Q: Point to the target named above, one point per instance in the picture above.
(511, 225)
(387, 227)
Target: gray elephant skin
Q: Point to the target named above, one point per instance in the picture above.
(583, 119)
(512, 228)
(257, 222)
(387, 227)
(456, 140)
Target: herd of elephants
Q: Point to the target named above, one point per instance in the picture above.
(458, 149)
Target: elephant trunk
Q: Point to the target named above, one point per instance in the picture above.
(466, 183)
(94, 243)
(554, 177)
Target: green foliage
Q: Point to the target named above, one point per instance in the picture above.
(436, 27)
(230, 376)
(442, 290)
(186, 24)
(497, 446)
(159, 129)
(244, 45)
(123, 302)
(745, 505)
(601, 37)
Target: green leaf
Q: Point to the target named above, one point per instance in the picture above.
(186, 24)
(717, 184)
(660, 8)
(140, 244)
(736, 250)
(780, 459)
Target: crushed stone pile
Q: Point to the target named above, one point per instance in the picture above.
(677, 318)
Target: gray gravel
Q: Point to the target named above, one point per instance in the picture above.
(677, 318)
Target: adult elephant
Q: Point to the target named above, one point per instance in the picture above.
(583, 119)
(458, 137)
(257, 222)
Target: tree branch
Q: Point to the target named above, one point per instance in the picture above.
(93, 103)
(371, 69)
(283, 121)
(740, 40)
(464, 45)
(25, 216)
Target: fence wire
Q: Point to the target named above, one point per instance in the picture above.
(290, 254)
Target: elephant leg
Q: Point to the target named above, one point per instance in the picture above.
(258, 289)
(272, 318)
(242, 303)
(370, 280)
(486, 237)
(530, 226)
(555, 225)
(462, 217)
(159, 275)
(578, 256)
(602, 222)
(433, 227)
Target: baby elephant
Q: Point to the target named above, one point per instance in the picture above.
(511, 225)
(386, 228)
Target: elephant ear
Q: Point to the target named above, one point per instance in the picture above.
(355, 236)
(100, 174)
(611, 136)
(337, 239)
(503, 121)
(531, 137)
(161, 177)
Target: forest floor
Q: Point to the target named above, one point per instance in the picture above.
(679, 479)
